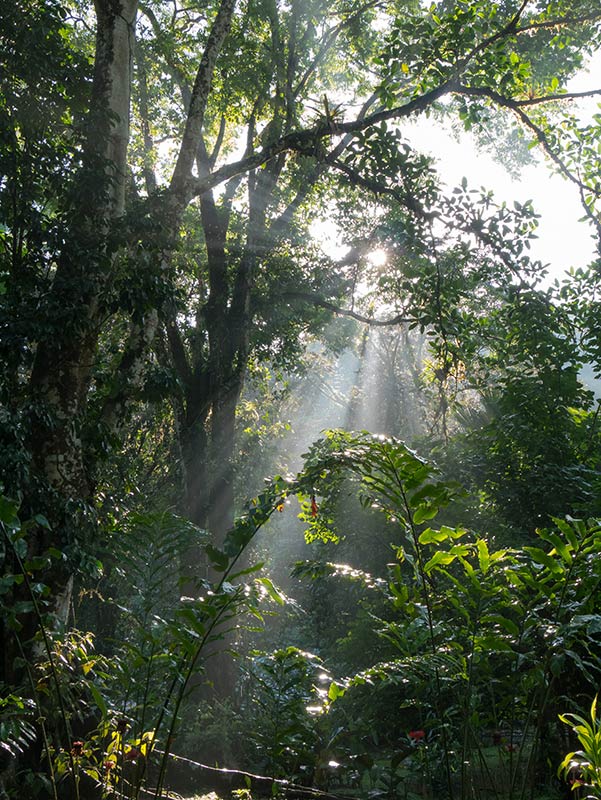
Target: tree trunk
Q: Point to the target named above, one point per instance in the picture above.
(108, 135)
(222, 496)
(63, 361)
(194, 447)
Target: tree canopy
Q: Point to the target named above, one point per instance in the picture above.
(165, 300)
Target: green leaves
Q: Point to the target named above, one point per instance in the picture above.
(285, 704)
(387, 475)
(273, 592)
(218, 559)
(464, 615)
(583, 767)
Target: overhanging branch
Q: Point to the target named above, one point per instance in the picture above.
(313, 299)
(302, 141)
(517, 107)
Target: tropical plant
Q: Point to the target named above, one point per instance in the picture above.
(582, 768)
(284, 702)
(479, 636)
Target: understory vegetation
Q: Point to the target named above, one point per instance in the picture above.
(300, 447)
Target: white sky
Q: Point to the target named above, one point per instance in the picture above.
(563, 241)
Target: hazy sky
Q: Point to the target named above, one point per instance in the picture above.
(563, 241)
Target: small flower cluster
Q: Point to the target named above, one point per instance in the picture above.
(77, 749)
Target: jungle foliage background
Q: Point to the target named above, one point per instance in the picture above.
(324, 518)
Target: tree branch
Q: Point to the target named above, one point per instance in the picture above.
(279, 225)
(130, 371)
(177, 349)
(313, 299)
(301, 141)
(177, 73)
(558, 22)
(200, 95)
(378, 188)
(508, 102)
(328, 40)
(517, 107)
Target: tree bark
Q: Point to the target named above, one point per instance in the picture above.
(108, 136)
(195, 454)
(63, 361)
(223, 437)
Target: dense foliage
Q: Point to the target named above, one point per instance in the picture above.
(174, 328)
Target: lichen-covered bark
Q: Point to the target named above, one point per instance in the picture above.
(199, 98)
(111, 92)
(61, 372)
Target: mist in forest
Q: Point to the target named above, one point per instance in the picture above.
(376, 384)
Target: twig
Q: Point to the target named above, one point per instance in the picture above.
(284, 785)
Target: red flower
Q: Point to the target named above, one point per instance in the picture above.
(417, 736)
(313, 506)
(108, 765)
(77, 749)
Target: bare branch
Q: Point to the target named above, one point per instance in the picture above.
(313, 299)
(218, 142)
(500, 99)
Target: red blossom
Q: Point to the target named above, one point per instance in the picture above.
(313, 506)
(77, 749)
(417, 736)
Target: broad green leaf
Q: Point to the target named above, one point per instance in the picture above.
(540, 557)
(273, 592)
(439, 558)
(483, 556)
(219, 560)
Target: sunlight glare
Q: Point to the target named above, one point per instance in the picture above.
(377, 257)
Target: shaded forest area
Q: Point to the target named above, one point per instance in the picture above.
(301, 488)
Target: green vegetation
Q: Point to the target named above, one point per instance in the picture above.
(411, 608)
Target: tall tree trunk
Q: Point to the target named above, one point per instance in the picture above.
(65, 353)
(194, 447)
(62, 366)
(223, 430)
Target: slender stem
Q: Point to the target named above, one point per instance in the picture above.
(180, 696)
(140, 778)
(194, 659)
(468, 699)
(430, 617)
(41, 718)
